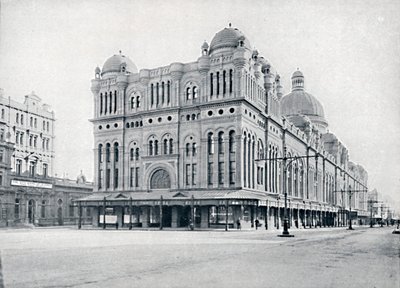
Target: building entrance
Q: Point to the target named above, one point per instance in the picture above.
(31, 211)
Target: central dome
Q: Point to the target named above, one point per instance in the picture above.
(113, 64)
(228, 38)
(299, 102)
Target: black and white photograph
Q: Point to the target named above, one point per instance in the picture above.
(177, 144)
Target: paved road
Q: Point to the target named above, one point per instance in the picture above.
(93, 258)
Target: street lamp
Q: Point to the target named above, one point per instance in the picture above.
(285, 232)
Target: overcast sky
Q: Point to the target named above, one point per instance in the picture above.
(348, 51)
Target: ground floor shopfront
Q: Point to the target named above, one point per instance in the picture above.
(225, 210)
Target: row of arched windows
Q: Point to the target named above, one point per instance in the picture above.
(167, 146)
(221, 82)
(218, 163)
(191, 92)
(108, 102)
(252, 89)
(111, 172)
(160, 93)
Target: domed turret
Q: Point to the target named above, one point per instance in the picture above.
(203, 63)
(228, 38)
(300, 102)
(118, 63)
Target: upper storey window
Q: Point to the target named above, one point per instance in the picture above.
(134, 101)
(191, 91)
(160, 94)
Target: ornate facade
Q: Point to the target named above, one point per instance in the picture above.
(204, 142)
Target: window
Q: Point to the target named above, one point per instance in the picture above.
(150, 147)
(187, 149)
(132, 102)
(116, 178)
(35, 141)
(100, 153)
(108, 175)
(137, 154)
(194, 172)
(171, 146)
(137, 177)
(224, 82)
(31, 122)
(217, 83)
(17, 118)
(138, 102)
(1, 178)
(132, 154)
(101, 103)
(210, 143)
(21, 138)
(108, 147)
(230, 81)
(1, 155)
(32, 168)
(48, 126)
(71, 209)
(188, 93)
(156, 147)
(35, 121)
(210, 172)
(152, 94)
(195, 92)
(132, 177)
(2, 135)
(221, 173)
(211, 84)
(187, 174)
(44, 125)
(18, 166)
(168, 92)
(194, 149)
(100, 179)
(116, 152)
(221, 142)
(165, 146)
(232, 172)
(3, 114)
(45, 170)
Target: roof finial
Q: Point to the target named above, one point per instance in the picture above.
(230, 25)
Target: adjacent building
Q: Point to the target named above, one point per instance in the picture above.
(29, 192)
(208, 142)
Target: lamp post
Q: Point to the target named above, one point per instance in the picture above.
(285, 232)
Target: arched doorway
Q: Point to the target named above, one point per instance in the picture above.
(60, 212)
(31, 211)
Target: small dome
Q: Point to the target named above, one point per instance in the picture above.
(228, 37)
(113, 64)
(205, 45)
(297, 73)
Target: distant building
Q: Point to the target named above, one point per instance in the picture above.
(204, 141)
(28, 191)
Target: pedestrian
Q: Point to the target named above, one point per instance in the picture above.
(116, 225)
(257, 223)
(238, 225)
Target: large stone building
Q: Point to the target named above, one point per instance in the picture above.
(204, 141)
(29, 192)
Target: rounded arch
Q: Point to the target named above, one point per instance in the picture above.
(152, 169)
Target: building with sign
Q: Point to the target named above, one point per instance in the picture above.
(203, 142)
(29, 194)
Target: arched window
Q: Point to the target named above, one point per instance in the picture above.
(116, 152)
(105, 102)
(194, 149)
(160, 180)
(168, 92)
(232, 158)
(162, 92)
(132, 154)
(101, 104)
(152, 94)
(188, 93)
(151, 147)
(217, 83)
(100, 153)
(224, 82)
(220, 142)
(137, 154)
(132, 102)
(165, 146)
(295, 179)
(211, 84)
(171, 146)
(115, 101)
(187, 149)
(210, 143)
(232, 144)
(194, 92)
(155, 147)
(138, 101)
(110, 103)
(157, 93)
(108, 147)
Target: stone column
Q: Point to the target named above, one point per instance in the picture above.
(204, 217)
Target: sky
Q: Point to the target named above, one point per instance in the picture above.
(348, 51)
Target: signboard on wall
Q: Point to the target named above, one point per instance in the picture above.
(31, 184)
